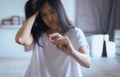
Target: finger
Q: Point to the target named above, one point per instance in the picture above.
(53, 42)
(67, 40)
(61, 43)
(56, 36)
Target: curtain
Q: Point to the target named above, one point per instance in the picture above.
(114, 22)
(98, 16)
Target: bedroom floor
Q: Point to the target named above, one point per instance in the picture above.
(103, 67)
(100, 67)
(13, 67)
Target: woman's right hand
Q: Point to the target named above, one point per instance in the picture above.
(34, 15)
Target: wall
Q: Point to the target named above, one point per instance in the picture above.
(9, 47)
(9, 8)
(70, 6)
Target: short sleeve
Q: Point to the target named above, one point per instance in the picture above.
(77, 38)
(80, 37)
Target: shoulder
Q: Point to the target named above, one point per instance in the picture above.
(77, 37)
(76, 31)
(75, 34)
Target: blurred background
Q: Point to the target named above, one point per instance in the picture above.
(99, 20)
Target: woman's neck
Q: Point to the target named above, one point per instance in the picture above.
(50, 31)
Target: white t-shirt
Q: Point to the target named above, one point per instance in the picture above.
(48, 61)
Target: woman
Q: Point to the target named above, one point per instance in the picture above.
(59, 48)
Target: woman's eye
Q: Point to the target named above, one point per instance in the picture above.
(42, 15)
(52, 11)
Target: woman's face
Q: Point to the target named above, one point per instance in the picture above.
(49, 16)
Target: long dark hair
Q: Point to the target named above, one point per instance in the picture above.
(39, 27)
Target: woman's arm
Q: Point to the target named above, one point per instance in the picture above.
(24, 36)
(64, 44)
(82, 56)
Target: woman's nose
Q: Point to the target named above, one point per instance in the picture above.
(49, 17)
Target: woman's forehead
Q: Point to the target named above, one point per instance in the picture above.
(46, 7)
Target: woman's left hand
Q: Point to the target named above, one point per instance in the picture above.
(64, 44)
(61, 42)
